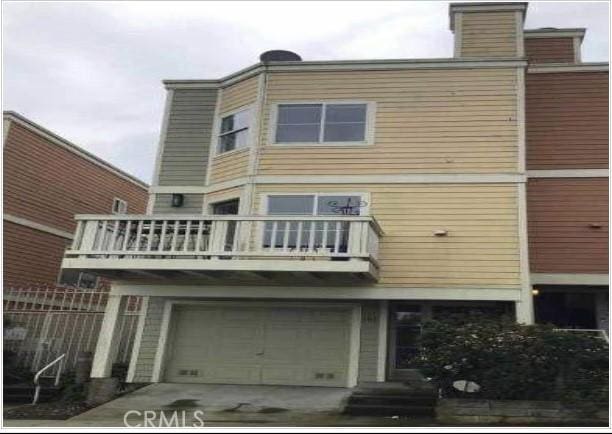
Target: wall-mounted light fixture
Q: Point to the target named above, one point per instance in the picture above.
(440, 232)
(177, 200)
(535, 292)
(595, 225)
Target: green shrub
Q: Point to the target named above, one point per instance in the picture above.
(512, 361)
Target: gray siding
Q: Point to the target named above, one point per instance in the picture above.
(368, 350)
(192, 204)
(184, 159)
(149, 340)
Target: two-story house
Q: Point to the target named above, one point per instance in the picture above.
(307, 216)
(47, 180)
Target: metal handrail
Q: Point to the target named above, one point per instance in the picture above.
(57, 376)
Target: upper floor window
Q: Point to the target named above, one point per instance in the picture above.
(119, 206)
(321, 123)
(234, 132)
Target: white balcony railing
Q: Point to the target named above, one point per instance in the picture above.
(225, 237)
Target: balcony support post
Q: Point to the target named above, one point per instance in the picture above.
(108, 340)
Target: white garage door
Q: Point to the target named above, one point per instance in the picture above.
(259, 345)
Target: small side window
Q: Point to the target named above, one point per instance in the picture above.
(119, 206)
(77, 279)
(234, 132)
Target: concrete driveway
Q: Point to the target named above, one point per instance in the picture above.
(216, 405)
(208, 405)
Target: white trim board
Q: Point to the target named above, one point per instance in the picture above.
(383, 329)
(346, 65)
(37, 226)
(161, 144)
(322, 292)
(560, 67)
(569, 173)
(427, 178)
(144, 311)
(569, 279)
(354, 308)
(554, 33)
(437, 178)
(71, 147)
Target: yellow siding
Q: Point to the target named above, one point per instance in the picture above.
(490, 34)
(223, 195)
(226, 167)
(238, 95)
(427, 121)
(481, 250)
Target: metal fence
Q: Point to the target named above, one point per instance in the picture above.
(42, 323)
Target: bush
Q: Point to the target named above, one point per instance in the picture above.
(512, 361)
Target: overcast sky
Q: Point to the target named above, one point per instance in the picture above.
(91, 71)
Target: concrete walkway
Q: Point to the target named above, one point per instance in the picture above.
(208, 405)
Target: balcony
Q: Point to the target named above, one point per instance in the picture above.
(227, 249)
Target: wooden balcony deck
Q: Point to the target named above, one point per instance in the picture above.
(227, 249)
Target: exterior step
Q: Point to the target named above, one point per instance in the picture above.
(407, 400)
(390, 410)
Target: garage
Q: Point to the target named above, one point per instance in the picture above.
(280, 344)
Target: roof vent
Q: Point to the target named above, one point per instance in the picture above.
(279, 56)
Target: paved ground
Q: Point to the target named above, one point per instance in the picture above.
(224, 405)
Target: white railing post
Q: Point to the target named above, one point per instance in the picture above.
(355, 239)
(218, 236)
(89, 235)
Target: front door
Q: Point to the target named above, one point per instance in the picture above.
(405, 326)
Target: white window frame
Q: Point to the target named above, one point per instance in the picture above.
(122, 206)
(265, 200)
(217, 131)
(78, 284)
(370, 121)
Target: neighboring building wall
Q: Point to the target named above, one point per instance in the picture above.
(31, 257)
(561, 211)
(550, 50)
(48, 184)
(186, 140)
(480, 251)
(426, 121)
(567, 120)
(45, 185)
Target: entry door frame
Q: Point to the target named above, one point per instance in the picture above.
(163, 343)
(394, 373)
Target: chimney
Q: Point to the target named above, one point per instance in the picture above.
(488, 30)
(551, 45)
